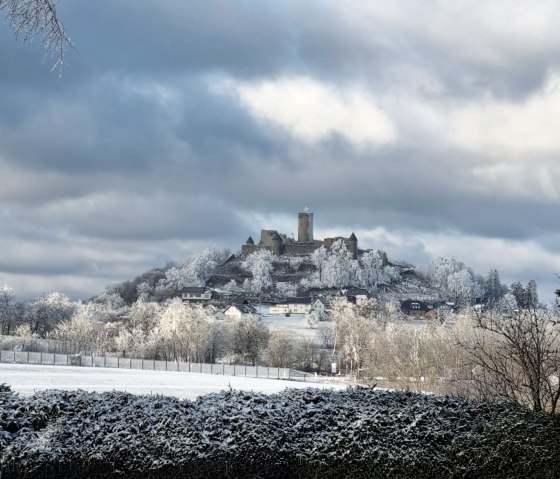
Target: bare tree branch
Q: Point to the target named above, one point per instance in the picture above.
(38, 18)
(515, 355)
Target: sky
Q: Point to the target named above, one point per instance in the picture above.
(427, 128)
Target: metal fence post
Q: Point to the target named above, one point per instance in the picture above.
(223, 369)
(40, 357)
(234, 369)
(142, 363)
(27, 357)
(211, 368)
(104, 361)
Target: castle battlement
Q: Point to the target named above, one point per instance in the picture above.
(280, 244)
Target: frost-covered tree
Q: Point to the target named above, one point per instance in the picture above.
(519, 293)
(372, 268)
(532, 294)
(195, 270)
(341, 269)
(493, 288)
(287, 289)
(7, 310)
(312, 319)
(249, 337)
(260, 265)
(319, 257)
(109, 306)
(182, 332)
(355, 326)
(47, 311)
(79, 331)
(454, 279)
(375, 270)
(143, 315)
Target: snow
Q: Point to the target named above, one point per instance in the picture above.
(356, 432)
(26, 379)
(296, 323)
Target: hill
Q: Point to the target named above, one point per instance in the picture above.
(262, 273)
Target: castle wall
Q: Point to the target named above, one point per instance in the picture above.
(249, 248)
(266, 237)
(351, 246)
(296, 249)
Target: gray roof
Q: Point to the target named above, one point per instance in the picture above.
(303, 300)
(194, 289)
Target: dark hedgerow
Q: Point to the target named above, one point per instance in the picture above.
(308, 433)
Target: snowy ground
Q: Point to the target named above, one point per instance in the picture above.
(26, 379)
(296, 323)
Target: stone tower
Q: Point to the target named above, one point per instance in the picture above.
(353, 245)
(276, 244)
(305, 227)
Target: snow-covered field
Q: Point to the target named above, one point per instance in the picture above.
(25, 379)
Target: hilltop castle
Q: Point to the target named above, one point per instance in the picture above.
(280, 244)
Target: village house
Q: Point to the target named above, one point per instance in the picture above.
(193, 294)
(356, 295)
(427, 309)
(240, 311)
(292, 306)
(320, 304)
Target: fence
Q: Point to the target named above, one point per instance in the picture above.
(55, 359)
(34, 344)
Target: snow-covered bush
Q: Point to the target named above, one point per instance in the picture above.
(305, 433)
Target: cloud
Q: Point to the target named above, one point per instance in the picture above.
(312, 111)
(505, 127)
(178, 125)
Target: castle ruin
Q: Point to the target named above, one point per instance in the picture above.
(280, 244)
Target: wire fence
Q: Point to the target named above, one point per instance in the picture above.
(56, 359)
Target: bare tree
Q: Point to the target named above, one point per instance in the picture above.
(515, 356)
(280, 350)
(249, 337)
(38, 18)
(7, 310)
